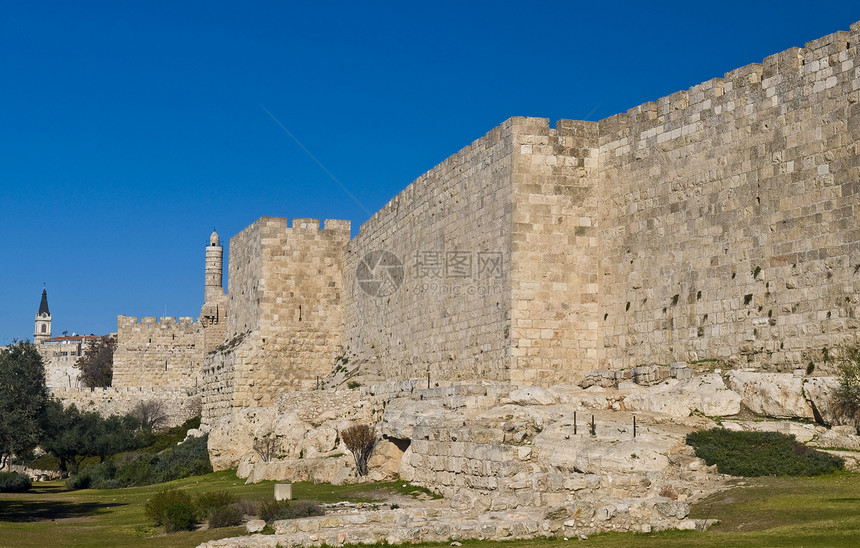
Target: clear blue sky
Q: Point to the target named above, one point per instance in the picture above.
(128, 130)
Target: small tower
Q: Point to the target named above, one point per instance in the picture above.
(43, 320)
(214, 259)
(213, 313)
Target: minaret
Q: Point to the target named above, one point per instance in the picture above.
(212, 315)
(214, 259)
(43, 320)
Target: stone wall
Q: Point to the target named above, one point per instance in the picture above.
(554, 267)
(284, 313)
(451, 231)
(728, 215)
(152, 353)
(180, 404)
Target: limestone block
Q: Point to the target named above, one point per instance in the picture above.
(530, 395)
(707, 394)
(778, 395)
(233, 436)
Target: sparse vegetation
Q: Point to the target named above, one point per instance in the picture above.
(152, 414)
(760, 454)
(360, 440)
(272, 510)
(847, 398)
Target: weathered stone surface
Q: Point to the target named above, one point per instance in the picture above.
(531, 395)
(820, 393)
(255, 525)
(778, 395)
(233, 435)
(801, 431)
(707, 394)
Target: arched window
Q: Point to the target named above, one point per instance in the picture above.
(44, 328)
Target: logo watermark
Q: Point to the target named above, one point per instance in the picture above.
(380, 273)
(443, 272)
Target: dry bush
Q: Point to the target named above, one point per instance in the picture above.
(360, 440)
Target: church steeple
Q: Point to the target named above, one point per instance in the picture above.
(43, 320)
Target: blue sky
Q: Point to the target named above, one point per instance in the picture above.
(128, 130)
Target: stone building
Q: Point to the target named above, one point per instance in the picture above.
(59, 354)
(719, 224)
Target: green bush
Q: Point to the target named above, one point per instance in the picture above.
(131, 469)
(171, 508)
(760, 454)
(13, 482)
(179, 516)
(225, 516)
(206, 502)
(272, 510)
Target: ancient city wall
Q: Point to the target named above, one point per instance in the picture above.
(729, 214)
(180, 404)
(554, 266)
(151, 352)
(450, 230)
(284, 313)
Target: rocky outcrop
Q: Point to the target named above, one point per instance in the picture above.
(778, 395)
(706, 394)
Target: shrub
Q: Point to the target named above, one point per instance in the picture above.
(360, 440)
(847, 397)
(248, 507)
(179, 516)
(272, 510)
(760, 454)
(13, 482)
(206, 502)
(189, 459)
(225, 516)
(81, 480)
(171, 508)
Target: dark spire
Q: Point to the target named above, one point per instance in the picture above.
(43, 306)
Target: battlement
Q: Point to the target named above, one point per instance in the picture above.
(152, 322)
(819, 63)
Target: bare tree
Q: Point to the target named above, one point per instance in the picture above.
(360, 440)
(152, 414)
(97, 365)
(265, 447)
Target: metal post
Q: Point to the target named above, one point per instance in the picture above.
(574, 423)
(634, 426)
(428, 377)
(593, 428)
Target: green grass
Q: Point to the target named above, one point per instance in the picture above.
(768, 511)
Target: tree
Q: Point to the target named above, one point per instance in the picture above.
(151, 414)
(97, 365)
(71, 435)
(23, 397)
(360, 440)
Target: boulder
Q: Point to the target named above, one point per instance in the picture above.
(531, 395)
(820, 393)
(255, 525)
(778, 395)
(707, 394)
(233, 436)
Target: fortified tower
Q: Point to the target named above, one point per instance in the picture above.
(214, 269)
(43, 320)
(213, 313)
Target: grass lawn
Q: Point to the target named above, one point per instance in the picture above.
(820, 511)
